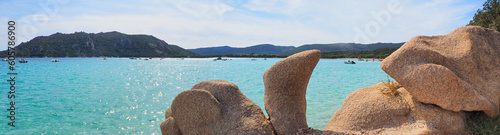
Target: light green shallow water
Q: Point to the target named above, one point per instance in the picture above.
(123, 96)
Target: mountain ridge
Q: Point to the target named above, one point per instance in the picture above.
(288, 50)
(81, 44)
(256, 49)
(117, 44)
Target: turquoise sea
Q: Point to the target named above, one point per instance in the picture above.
(123, 96)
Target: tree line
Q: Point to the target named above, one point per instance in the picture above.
(378, 53)
(488, 16)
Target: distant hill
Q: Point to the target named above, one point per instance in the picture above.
(342, 47)
(81, 44)
(256, 49)
(288, 50)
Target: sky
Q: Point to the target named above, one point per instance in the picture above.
(240, 23)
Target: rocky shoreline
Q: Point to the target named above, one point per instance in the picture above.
(441, 77)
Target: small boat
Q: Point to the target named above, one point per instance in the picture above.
(349, 62)
(54, 60)
(104, 58)
(219, 58)
(5, 59)
(132, 58)
(254, 59)
(361, 59)
(23, 61)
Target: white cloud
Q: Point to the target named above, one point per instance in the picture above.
(197, 23)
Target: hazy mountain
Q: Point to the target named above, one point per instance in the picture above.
(288, 50)
(81, 44)
(257, 49)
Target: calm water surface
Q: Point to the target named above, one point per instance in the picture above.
(123, 96)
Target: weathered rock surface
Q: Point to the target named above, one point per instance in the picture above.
(240, 114)
(368, 111)
(459, 71)
(195, 111)
(285, 89)
(168, 113)
(214, 107)
(168, 127)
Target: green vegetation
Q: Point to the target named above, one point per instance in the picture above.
(477, 122)
(489, 16)
(391, 88)
(251, 55)
(257, 49)
(337, 47)
(480, 124)
(378, 53)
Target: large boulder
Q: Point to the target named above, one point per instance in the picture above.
(285, 90)
(369, 111)
(214, 107)
(459, 71)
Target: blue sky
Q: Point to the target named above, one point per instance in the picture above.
(239, 23)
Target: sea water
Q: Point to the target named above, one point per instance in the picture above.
(124, 96)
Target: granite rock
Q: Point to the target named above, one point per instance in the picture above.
(459, 71)
(168, 127)
(369, 111)
(285, 89)
(214, 107)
